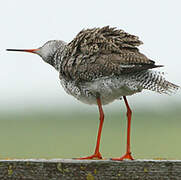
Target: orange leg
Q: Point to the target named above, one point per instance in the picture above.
(97, 154)
(127, 155)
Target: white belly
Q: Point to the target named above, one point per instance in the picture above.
(109, 89)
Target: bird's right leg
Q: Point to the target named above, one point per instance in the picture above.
(97, 154)
(127, 155)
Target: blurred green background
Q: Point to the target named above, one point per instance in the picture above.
(39, 120)
(60, 133)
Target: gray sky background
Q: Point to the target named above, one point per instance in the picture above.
(26, 80)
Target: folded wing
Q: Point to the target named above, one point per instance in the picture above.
(106, 51)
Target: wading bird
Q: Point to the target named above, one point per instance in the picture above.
(101, 65)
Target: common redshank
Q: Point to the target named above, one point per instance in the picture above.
(101, 65)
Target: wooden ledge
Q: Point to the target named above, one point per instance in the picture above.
(89, 169)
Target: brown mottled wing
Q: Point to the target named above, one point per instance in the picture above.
(100, 52)
(103, 41)
(109, 65)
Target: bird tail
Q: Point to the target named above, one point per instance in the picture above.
(155, 81)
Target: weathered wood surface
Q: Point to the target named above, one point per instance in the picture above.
(90, 169)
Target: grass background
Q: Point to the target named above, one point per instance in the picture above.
(72, 133)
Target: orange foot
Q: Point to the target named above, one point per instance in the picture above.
(126, 156)
(94, 156)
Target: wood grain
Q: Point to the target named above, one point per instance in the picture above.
(90, 169)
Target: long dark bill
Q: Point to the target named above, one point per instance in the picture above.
(23, 50)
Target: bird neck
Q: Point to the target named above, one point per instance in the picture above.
(57, 58)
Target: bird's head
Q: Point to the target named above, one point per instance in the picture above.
(47, 51)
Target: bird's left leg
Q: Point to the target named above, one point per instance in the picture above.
(127, 155)
(97, 154)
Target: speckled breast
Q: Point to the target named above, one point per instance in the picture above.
(107, 88)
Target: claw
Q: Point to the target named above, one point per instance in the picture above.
(126, 156)
(94, 156)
